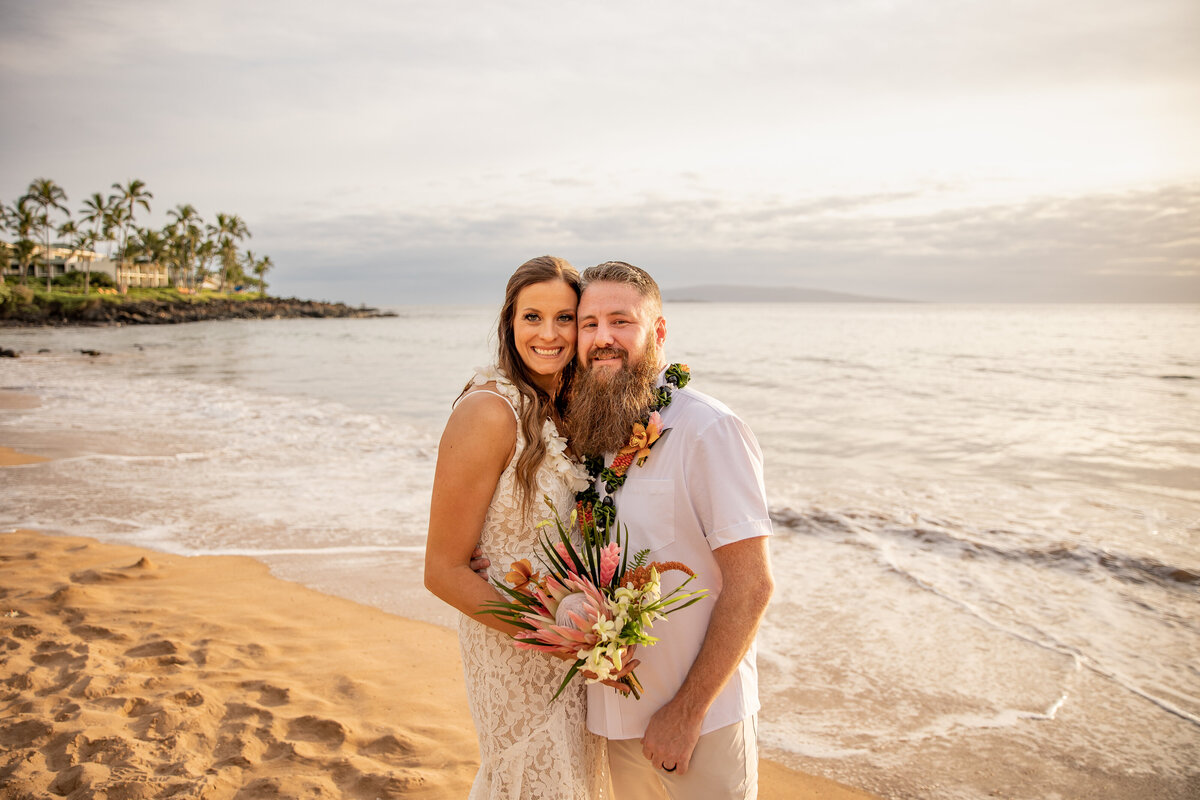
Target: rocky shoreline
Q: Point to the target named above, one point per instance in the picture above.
(167, 312)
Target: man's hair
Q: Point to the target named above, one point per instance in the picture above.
(628, 274)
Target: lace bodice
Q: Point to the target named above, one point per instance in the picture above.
(508, 535)
(530, 747)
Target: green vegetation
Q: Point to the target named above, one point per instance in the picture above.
(189, 248)
(32, 304)
(68, 296)
(66, 305)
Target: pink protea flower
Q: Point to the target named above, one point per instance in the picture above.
(567, 628)
(556, 638)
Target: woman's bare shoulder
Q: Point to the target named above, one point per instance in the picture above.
(484, 405)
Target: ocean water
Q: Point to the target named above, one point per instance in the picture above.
(987, 518)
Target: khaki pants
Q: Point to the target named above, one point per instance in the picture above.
(724, 766)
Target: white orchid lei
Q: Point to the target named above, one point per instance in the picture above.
(556, 444)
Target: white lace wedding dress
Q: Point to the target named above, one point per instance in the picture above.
(529, 747)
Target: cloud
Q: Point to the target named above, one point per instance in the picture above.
(1117, 246)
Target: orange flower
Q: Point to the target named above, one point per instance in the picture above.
(521, 575)
(643, 438)
(637, 578)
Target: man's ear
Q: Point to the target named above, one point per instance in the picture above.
(660, 332)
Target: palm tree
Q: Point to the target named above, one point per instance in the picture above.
(6, 215)
(183, 234)
(49, 196)
(23, 219)
(26, 249)
(204, 256)
(261, 267)
(229, 230)
(96, 212)
(79, 240)
(246, 263)
(150, 243)
(128, 197)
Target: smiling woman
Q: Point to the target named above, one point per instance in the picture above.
(491, 476)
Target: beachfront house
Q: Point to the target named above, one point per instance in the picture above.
(134, 273)
(62, 260)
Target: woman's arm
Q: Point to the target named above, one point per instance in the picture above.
(479, 441)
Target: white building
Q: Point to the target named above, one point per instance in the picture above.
(135, 273)
(63, 259)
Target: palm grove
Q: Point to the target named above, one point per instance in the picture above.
(190, 248)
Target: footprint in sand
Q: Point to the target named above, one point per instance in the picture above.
(24, 734)
(328, 732)
(239, 750)
(93, 576)
(69, 661)
(161, 647)
(391, 749)
(268, 695)
(242, 711)
(25, 631)
(92, 632)
(81, 776)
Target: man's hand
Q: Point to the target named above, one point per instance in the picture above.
(671, 737)
(674, 729)
(479, 564)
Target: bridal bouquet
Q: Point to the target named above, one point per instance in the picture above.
(591, 602)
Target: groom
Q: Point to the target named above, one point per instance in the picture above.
(698, 498)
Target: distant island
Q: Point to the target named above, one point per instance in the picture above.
(727, 293)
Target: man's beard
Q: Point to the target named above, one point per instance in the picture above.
(605, 404)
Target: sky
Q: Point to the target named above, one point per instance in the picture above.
(399, 152)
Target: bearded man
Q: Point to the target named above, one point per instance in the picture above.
(697, 498)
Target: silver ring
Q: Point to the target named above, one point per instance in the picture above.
(668, 769)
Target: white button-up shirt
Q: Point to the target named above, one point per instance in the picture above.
(701, 488)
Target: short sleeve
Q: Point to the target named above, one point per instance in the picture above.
(724, 477)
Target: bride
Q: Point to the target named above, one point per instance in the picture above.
(500, 454)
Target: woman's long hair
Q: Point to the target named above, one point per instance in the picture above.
(537, 405)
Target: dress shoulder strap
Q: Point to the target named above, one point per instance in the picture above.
(502, 396)
(493, 381)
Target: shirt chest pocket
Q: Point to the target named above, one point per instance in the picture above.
(647, 507)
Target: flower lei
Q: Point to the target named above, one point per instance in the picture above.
(596, 514)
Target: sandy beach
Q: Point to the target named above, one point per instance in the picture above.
(128, 673)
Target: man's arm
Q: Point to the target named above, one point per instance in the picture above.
(746, 589)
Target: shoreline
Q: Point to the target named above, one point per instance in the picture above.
(99, 310)
(148, 673)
